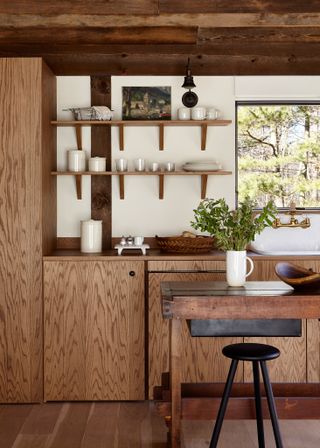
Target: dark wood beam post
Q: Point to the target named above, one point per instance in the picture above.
(101, 194)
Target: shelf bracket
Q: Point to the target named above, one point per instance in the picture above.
(161, 137)
(121, 137)
(204, 128)
(204, 181)
(79, 137)
(161, 186)
(121, 186)
(78, 178)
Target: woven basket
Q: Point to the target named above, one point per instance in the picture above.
(185, 245)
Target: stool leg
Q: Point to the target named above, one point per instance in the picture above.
(223, 404)
(271, 404)
(259, 417)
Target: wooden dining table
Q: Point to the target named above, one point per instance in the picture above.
(216, 300)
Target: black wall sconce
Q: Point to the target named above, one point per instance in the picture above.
(189, 99)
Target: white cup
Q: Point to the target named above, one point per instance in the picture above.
(139, 164)
(213, 114)
(121, 164)
(91, 236)
(154, 166)
(237, 267)
(183, 113)
(198, 113)
(138, 240)
(97, 164)
(76, 160)
(169, 166)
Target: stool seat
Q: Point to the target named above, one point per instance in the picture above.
(251, 352)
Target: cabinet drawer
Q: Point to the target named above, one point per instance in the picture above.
(187, 266)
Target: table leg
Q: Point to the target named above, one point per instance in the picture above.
(175, 381)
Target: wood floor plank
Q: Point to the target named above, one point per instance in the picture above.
(70, 429)
(42, 419)
(100, 429)
(30, 441)
(11, 420)
(132, 425)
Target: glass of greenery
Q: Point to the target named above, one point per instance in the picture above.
(232, 229)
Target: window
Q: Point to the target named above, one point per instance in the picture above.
(278, 153)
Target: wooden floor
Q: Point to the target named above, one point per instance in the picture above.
(130, 425)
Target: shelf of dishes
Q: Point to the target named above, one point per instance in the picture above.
(161, 175)
(161, 124)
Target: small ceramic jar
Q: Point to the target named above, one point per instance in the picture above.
(97, 164)
(76, 160)
(198, 113)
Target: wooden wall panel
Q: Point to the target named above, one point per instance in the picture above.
(79, 7)
(101, 194)
(21, 149)
(49, 161)
(94, 330)
(202, 357)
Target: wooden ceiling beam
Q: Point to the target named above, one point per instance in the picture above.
(288, 50)
(256, 35)
(80, 7)
(209, 20)
(112, 35)
(207, 65)
(231, 6)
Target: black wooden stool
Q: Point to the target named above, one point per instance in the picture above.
(257, 354)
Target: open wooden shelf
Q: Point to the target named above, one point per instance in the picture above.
(161, 174)
(161, 124)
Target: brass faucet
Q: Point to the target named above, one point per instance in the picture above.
(304, 224)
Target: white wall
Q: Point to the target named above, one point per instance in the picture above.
(141, 212)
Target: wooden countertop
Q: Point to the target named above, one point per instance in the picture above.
(155, 254)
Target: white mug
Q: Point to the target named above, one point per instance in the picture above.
(138, 240)
(184, 113)
(198, 113)
(237, 267)
(139, 164)
(213, 114)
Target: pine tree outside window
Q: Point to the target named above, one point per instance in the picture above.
(278, 153)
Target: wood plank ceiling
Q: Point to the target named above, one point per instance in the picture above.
(154, 37)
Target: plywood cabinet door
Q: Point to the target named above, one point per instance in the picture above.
(202, 357)
(27, 103)
(94, 330)
(292, 365)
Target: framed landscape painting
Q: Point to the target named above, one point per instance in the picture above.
(146, 103)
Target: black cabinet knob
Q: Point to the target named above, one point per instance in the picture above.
(132, 273)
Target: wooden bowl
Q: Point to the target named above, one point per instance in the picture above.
(298, 277)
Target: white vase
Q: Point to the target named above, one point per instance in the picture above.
(237, 267)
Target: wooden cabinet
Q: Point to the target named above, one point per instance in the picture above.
(94, 330)
(27, 220)
(202, 358)
(300, 357)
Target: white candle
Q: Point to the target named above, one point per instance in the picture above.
(97, 164)
(91, 236)
(76, 160)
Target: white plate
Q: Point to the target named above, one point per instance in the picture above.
(206, 167)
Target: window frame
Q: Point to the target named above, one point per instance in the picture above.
(267, 103)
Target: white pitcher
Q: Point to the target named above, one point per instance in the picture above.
(237, 267)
